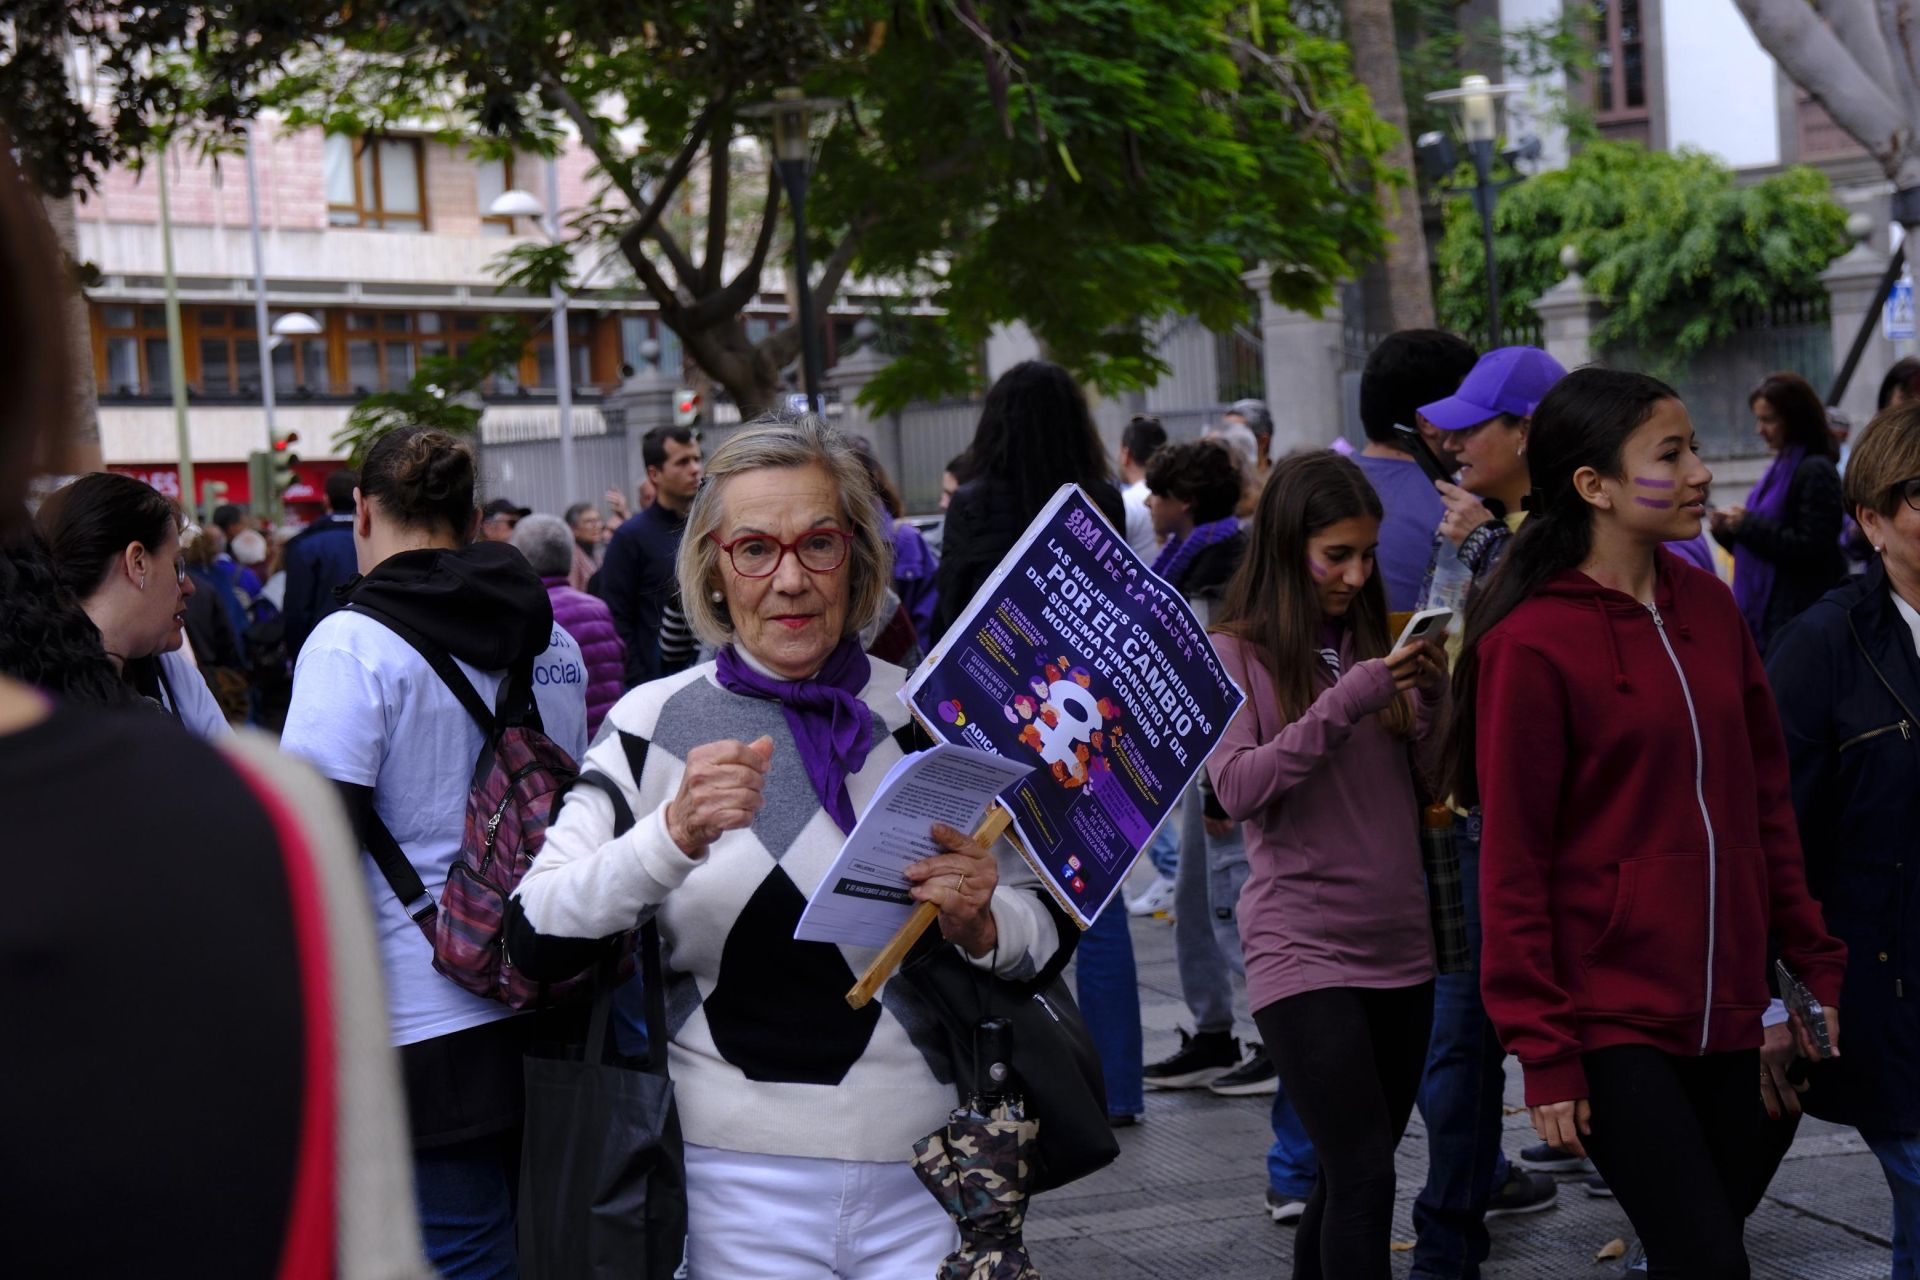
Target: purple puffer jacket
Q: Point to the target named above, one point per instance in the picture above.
(586, 619)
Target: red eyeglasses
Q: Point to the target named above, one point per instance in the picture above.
(758, 555)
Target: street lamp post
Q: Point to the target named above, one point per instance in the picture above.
(792, 114)
(1478, 104)
(546, 215)
(261, 331)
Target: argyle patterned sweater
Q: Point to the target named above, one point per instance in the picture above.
(765, 1054)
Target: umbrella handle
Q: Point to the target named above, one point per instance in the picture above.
(991, 828)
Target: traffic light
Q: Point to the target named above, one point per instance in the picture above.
(686, 407)
(272, 474)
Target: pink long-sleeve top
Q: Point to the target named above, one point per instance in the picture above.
(1335, 896)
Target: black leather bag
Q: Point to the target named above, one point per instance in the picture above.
(603, 1182)
(1055, 1065)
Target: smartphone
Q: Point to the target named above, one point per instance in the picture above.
(1426, 624)
(1416, 444)
(1804, 1005)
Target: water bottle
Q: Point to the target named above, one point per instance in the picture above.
(1451, 579)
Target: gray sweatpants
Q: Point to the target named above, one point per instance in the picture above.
(1206, 939)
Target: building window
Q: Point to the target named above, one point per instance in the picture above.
(376, 182)
(635, 330)
(229, 352)
(491, 180)
(579, 353)
(384, 348)
(1619, 59)
(134, 357)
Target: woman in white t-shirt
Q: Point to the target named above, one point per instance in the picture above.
(116, 545)
(370, 713)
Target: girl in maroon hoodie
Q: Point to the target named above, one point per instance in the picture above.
(1333, 918)
(1639, 841)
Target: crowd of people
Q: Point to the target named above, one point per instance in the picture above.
(1673, 740)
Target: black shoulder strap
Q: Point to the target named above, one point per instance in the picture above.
(911, 737)
(443, 666)
(388, 855)
(653, 980)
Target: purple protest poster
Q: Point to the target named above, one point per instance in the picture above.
(1074, 656)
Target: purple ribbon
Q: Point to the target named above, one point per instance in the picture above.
(832, 726)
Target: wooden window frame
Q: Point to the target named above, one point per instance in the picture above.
(232, 334)
(368, 208)
(140, 333)
(1614, 76)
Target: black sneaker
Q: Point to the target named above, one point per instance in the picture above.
(1544, 1157)
(1203, 1058)
(1251, 1078)
(1522, 1192)
(1284, 1210)
(1597, 1186)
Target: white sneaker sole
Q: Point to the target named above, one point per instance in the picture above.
(1191, 1080)
(1288, 1213)
(1247, 1089)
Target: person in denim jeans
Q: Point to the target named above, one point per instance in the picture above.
(1460, 1102)
(1108, 987)
(1292, 1165)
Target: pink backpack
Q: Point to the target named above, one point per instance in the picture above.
(518, 783)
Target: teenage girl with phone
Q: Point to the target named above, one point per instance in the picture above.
(1333, 918)
(1613, 719)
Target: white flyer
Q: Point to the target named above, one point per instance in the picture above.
(863, 899)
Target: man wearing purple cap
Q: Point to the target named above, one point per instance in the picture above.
(1483, 429)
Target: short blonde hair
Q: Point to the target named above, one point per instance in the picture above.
(775, 443)
(1888, 452)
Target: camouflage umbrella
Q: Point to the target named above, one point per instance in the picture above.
(977, 1168)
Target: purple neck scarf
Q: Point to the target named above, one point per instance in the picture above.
(1752, 573)
(1178, 554)
(831, 726)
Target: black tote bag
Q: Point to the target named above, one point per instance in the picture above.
(603, 1184)
(603, 1175)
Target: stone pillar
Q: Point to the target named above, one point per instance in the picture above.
(847, 379)
(641, 403)
(1301, 361)
(1569, 314)
(1852, 281)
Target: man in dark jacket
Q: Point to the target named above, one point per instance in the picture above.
(636, 579)
(320, 558)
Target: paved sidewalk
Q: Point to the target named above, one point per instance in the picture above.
(1184, 1201)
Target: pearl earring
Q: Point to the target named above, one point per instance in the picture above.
(1879, 550)
(718, 597)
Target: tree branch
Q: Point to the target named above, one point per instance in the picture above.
(1853, 22)
(783, 343)
(1898, 34)
(725, 302)
(719, 172)
(559, 98)
(1812, 54)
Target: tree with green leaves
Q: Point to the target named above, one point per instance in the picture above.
(1084, 166)
(1669, 241)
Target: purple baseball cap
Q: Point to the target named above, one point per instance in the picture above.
(1506, 380)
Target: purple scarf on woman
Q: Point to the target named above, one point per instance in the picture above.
(1175, 558)
(831, 726)
(1753, 573)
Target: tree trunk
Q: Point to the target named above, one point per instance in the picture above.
(1376, 62)
(80, 452)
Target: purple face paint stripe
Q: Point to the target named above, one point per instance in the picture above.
(1656, 484)
(1658, 504)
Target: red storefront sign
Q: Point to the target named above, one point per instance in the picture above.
(304, 500)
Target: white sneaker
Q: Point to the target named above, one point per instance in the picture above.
(1157, 896)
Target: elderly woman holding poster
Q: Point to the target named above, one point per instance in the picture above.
(746, 774)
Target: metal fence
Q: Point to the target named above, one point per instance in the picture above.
(520, 456)
(1796, 337)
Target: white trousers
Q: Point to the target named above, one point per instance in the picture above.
(759, 1217)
